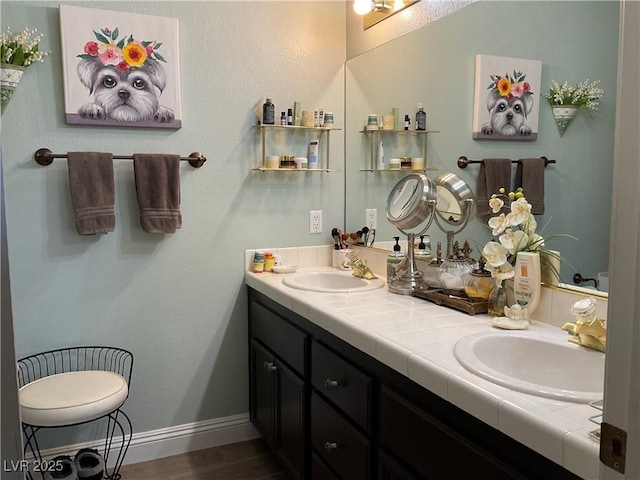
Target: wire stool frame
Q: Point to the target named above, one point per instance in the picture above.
(76, 359)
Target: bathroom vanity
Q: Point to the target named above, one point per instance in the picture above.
(338, 400)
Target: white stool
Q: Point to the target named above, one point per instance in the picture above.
(72, 386)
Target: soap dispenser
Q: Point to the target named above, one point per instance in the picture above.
(393, 260)
(424, 248)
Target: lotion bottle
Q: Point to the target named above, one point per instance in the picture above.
(312, 154)
(527, 280)
(381, 163)
(421, 118)
(268, 113)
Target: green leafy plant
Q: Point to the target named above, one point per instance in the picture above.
(585, 94)
(21, 49)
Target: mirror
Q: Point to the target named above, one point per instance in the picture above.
(411, 202)
(415, 67)
(455, 206)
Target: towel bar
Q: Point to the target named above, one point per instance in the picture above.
(43, 156)
(464, 161)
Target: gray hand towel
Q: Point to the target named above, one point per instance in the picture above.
(158, 191)
(495, 173)
(92, 191)
(530, 176)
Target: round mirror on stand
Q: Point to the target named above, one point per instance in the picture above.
(455, 206)
(411, 202)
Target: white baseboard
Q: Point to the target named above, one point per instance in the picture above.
(174, 440)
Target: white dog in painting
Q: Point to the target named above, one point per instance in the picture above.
(508, 115)
(129, 96)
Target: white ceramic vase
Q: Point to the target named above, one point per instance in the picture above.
(563, 115)
(10, 76)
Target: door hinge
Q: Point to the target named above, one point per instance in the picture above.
(613, 446)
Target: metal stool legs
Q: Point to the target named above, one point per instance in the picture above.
(117, 423)
(126, 432)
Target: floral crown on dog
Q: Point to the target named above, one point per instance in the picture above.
(123, 54)
(510, 86)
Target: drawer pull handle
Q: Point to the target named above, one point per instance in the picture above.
(330, 384)
(330, 446)
(270, 367)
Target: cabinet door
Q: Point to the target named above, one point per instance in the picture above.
(262, 397)
(431, 448)
(390, 470)
(338, 443)
(291, 420)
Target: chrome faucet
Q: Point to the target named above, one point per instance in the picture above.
(588, 330)
(360, 269)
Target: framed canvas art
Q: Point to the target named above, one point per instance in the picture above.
(120, 68)
(507, 98)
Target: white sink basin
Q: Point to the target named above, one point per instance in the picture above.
(529, 362)
(331, 282)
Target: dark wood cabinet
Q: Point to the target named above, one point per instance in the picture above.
(332, 412)
(278, 391)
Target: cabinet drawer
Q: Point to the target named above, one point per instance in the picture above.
(339, 444)
(342, 383)
(319, 470)
(279, 335)
(430, 447)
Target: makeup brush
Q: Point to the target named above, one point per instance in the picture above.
(337, 243)
(365, 232)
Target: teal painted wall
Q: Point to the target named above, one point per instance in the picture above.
(176, 301)
(436, 65)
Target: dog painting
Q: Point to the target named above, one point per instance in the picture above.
(506, 108)
(118, 78)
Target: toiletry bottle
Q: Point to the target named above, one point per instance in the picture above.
(283, 118)
(526, 286)
(269, 262)
(381, 163)
(393, 260)
(421, 118)
(258, 262)
(268, 113)
(407, 122)
(312, 154)
(289, 116)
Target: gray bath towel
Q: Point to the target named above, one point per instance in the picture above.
(158, 191)
(495, 173)
(530, 176)
(92, 191)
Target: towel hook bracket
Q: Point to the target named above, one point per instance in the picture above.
(197, 159)
(44, 156)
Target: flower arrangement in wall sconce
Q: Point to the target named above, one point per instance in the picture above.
(566, 100)
(17, 52)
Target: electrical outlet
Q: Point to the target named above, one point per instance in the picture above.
(371, 218)
(315, 221)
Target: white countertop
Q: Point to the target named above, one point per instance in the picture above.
(416, 338)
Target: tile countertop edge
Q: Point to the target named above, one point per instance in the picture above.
(558, 430)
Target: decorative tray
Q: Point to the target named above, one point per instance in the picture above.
(470, 306)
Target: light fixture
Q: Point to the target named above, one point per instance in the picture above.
(374, 11)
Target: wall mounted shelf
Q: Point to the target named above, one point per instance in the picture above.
(376, 135)
(324, 138)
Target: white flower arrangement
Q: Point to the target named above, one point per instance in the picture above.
(516, 232)
(585, 94)
(21, 49)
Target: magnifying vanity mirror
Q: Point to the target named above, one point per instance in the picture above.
(417, 199)
(411, 202)
(455, 206)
